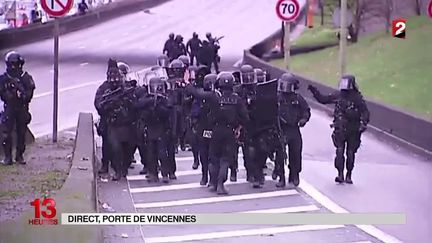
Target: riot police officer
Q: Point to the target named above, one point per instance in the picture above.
(179, 47)
(350, 120)
(169, 47)
(116, 103)
(16, 91)
(192, 47)
(157, 110)
(226, 115)
(294, 112)
(247, 91)
(199, 118)
(185, 60)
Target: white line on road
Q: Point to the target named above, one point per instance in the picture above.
(68, 89)
(238, 233)
(81, 47)
(178, 173)
(84, 64)
(335, 208)
(181, 186)
(296, 209)
(361, 242)
(216, 199)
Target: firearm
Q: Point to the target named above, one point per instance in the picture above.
(16, 86)
(116, 94)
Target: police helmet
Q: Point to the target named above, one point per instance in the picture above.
(176, 64)
(124, 68)
(201, 72)
(179, 38)
(14, 60)
(208, 35)
(171, 35)
(225, 80)
(288, 83)
(248, 75)
(195, 35)
(156, 86)
(348, 82)
(184, 59)
(163, 61)
(260, 75)
(210, 81)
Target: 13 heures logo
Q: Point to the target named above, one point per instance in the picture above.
(48, 214)
(399, 28)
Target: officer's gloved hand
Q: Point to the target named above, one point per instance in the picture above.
(302, 123)
(312, 88)
(363, 127)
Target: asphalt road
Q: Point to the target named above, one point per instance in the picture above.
(387, 179)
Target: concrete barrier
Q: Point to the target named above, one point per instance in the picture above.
(36, 32)
(400, 127)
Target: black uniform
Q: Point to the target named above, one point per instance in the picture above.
(16, 91)
(157, 123)
(350, 118)
(193, 46)
(226, 117)
(294, 112)
(102, 127)
(141, 127)
(206, 54)
(116, 103)
(179, 47)
(169, 48)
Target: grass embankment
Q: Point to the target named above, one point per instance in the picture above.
(319, 34)
(388, 70)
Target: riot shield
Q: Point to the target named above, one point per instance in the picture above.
(174, 73)
(266, 107)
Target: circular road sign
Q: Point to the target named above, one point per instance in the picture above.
(430, 9)
(56, 8)
(287, 10)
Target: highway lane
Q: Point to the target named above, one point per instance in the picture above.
(386, 178)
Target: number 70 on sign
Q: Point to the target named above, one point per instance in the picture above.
(288, 10)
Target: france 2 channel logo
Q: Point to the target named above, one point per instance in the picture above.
(48, 214)
(399, 28)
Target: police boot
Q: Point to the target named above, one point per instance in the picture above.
(204, 179)
(274, 174)
(117, 176)
(233, 176)
(165, 179)
(296, 179)
(348, 177)
(143, 171)
(282, 182)
(195, 164)
(221, 190)
(152, 178)
(103, 169)
(340, 177)
(20, 159)
(7, 160)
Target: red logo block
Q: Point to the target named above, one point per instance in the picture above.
(48, 215)
(399, 28)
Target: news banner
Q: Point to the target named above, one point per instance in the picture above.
(45, 213)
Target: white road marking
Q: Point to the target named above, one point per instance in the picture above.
(238, 233)
(84, 64)
(297, 209)
(216, 199)
(81, 47)
(68, 89)
(333, 207)
(361, 242)
(181, 186)
(178, 173)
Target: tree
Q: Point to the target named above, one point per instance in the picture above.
(418, 6)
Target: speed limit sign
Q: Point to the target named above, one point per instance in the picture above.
(287, 10)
